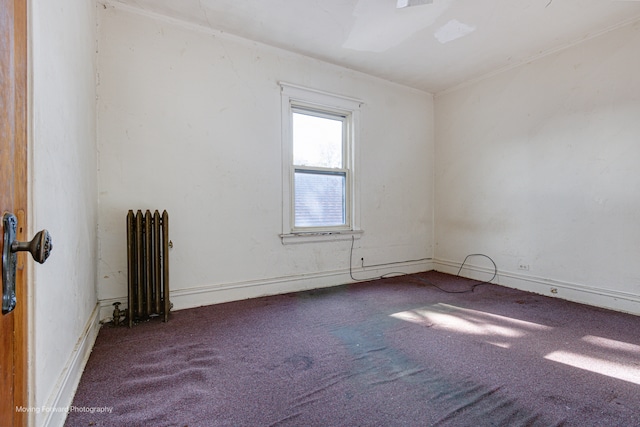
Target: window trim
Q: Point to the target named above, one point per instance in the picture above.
(296, 97)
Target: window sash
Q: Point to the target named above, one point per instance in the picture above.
(339, 117)
(298, 222)
(309, 208)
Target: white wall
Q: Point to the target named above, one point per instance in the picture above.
(539, 166)
(63, 192)
(189, 121)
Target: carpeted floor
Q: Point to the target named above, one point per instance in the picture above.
(392, 352)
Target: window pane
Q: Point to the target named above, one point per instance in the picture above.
(319, 199)
(317, 141)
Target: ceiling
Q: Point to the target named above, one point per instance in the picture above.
(431, 47)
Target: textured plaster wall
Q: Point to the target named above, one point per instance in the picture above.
(189, 120)
(63, 189)
(538, 167)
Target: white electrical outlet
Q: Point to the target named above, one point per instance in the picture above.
(523, 266)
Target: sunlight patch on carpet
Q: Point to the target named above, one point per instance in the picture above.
(597, 365)
(615, 345)
(471, 322)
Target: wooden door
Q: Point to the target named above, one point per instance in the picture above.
(13, 191)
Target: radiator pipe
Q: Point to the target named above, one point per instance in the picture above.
(118, 314)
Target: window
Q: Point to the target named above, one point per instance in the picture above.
(320, 176)
(319, 183)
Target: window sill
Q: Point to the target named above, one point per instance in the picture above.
(320, 236)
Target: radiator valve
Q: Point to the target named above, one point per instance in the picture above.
(117, 314)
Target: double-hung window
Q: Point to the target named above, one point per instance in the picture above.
(319, 156)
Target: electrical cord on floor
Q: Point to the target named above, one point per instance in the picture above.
(398, 274)
(384, 276)
(466, 291)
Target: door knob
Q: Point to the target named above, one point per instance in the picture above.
(40, 248)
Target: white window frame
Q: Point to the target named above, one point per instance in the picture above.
(296, 97)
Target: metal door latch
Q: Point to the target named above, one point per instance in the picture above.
(40, 248)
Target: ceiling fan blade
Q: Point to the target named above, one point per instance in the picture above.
(408, 3)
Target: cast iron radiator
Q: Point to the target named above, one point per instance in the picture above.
(148, 266)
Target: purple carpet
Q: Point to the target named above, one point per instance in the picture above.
(391, 352)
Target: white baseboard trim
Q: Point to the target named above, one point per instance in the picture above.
(65, 390)
(225, 292)
(605, 298)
